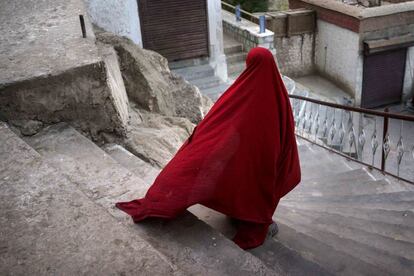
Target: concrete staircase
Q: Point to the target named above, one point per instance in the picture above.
(202, 76)
(235, 57)
(57, 195)
(341, 219)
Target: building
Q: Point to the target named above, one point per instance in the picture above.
(179, 30)
(367, 51)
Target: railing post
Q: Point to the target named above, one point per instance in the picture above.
(82, 23)
(262, 24)
(384, 135)
(238, 15)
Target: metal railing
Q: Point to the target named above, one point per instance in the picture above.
(239, 13)
(244, 14)
(346, 130)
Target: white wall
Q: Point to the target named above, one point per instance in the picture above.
(337, 55)
(117, 16)
(215, 27)
(122, 17)
(408, 88)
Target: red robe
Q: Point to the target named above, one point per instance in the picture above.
(240, 159)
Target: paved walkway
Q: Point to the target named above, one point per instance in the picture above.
(321, 88)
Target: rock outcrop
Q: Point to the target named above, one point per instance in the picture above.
(150, 83)
(156, 138)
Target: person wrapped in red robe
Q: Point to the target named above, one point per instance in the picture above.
(239, 160)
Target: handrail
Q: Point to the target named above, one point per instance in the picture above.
(346, 135)
(242, 11)
(357, 109)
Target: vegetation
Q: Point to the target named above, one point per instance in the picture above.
(250, 5)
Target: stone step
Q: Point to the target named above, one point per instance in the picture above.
(339, 202)
(397, 201)
(49, 227)
(316, 152)
(215, 92)
(206, 83)
(389, 263)
(404, 185)
(281, 262)
(403, 197)
(352, 187)
(360, 174)
(134, 164)
(334, 224)
(105, 181)
(274, 254)
(195, 72)
(403, 217)
(315, 168)
(327, 256)
(231, 78)
(236, 57)
(386, 228)
(236, 68)
(233, 48)
(187, 63)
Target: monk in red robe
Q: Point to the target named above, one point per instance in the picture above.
(239, 160)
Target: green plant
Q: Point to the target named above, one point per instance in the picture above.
(250, 5)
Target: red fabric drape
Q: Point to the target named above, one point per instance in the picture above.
(240, 159)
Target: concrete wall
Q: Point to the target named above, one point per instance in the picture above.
(53, 74)
(247, 33)
(217, 58)
(294, 40)
(295, 54)
(338, 57)
(408, 89)
(116, 16)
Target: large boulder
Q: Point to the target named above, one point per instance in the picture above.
(156, 138)
(150, 83)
